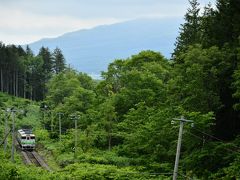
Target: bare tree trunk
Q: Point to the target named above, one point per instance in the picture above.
(17, 83)
(24, 93)
(14, 83)
(31, 92)
(1, 80)
(8, 85)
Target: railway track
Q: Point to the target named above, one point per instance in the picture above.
(32, 157)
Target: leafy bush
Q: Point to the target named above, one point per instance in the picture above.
(102, 172)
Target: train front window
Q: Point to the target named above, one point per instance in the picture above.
(32, 137)
(23, 137)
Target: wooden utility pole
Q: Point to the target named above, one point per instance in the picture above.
(182, 121)
(13, 111)
(13, 135)
(60, 125)
(51, 121)
(75, 152)
(5, 131)
(44, 119)
(75, 118)
(44, 115)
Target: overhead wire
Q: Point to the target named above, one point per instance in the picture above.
(218, 139)
(187, 177)
(231, 150)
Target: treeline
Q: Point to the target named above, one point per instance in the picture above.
(25, 75)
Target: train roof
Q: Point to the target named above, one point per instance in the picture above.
(25, 132)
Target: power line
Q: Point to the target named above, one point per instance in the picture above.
(5, 137)
(215, 138)
(194, 135)
(187, 177)
(208, 134)
(231, 150)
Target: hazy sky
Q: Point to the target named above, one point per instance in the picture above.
(25, 21)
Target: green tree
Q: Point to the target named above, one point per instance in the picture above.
(47, 66)
(109, 119)
(227, 26)
(58, 61)
(61, 86)
(195, 83)
(207, 26)
(190, 30)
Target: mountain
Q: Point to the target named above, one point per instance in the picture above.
(91, 50)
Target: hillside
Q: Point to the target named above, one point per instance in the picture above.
(91, 50)
(27, 115)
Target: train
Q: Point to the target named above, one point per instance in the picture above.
(26, 139)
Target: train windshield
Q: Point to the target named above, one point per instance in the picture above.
(32, 137)
(23, 137)
(27, 131)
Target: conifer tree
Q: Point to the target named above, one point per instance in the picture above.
(47, 66)
(47, 60)
(29, 52)
(227, 26)
(207, 26)
(190, 30)
(58, 61)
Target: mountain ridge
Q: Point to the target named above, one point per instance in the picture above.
(91, 50)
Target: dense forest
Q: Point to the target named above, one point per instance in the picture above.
(24, 75)
(124, 120)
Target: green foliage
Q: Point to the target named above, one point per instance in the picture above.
(236, 84)
(90, 171)
(190, 30)
(58, 61)
(17, 170)
(30, 117)
(80, 100)
(24, 75)
(210, 158)
(196, 79)
(124, 127)
(125, 120)
(61, 86)
(42, 135)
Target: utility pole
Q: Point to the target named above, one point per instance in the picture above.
(5, 131)
(51, 121)
(44, 115)
(60, 125)
(182, 121)
(13, 134)
(75, 118)
(75, 152)
(43, 118)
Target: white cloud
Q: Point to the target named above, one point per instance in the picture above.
(24, 21)
(18, 39)
(22, 27)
